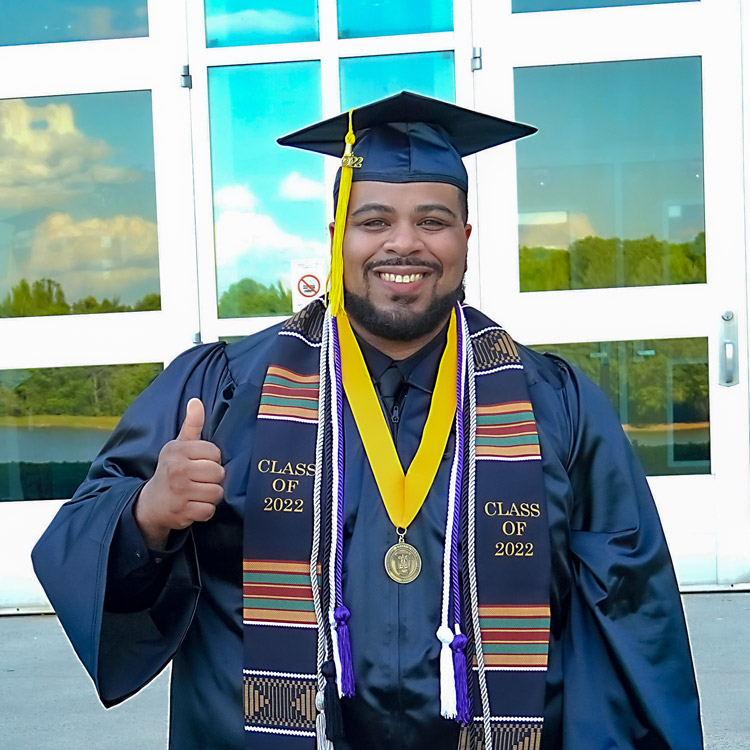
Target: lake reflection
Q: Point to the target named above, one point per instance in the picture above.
(43, 444)
(46, 463)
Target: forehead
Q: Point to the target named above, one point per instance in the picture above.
(404, 196)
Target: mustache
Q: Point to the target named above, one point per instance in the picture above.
(401, 262)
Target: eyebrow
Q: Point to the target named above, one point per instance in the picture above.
(368, 207)
(426, 208)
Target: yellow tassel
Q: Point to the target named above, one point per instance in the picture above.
(335, 284)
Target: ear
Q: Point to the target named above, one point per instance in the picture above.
(467, 229)
(331, 228)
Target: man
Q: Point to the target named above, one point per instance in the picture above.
(446, 539)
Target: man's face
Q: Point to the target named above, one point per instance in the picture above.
(404, 251)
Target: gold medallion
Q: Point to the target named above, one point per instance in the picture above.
(402, 562)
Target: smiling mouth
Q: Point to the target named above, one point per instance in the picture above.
(400, 278)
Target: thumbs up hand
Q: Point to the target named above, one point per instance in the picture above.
(187, 484)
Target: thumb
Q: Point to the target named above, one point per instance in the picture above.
(194, 418)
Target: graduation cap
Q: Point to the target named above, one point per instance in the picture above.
(408, 138)
(403, 138)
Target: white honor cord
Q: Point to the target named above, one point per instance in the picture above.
(448, 698)
(472, 458)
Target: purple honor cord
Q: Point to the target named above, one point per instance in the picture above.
(341, 612)
(458, 644)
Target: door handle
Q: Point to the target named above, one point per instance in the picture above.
(728, 362)
(728, 370)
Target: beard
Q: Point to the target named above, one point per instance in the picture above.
(402, 323)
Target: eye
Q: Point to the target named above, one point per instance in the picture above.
(432, 223)
(374, 223)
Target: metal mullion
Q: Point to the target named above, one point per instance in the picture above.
(604, 34)
(395, 45)
(124, 66)
(174, 185)
(262, 53)
(74, 340)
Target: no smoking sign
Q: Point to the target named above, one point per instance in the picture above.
(307, 281)
(309, 286)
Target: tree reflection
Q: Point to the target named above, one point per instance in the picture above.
(248, 297)
(33, 395)
(47, 297)
(596, 262)
(660, 391)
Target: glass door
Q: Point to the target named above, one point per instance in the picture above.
(98, 284)
(623, 236)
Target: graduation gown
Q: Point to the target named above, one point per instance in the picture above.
(620, 673)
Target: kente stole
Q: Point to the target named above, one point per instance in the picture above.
(504, 546)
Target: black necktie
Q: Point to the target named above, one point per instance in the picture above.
(390, 383)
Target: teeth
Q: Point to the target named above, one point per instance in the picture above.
(401, 278)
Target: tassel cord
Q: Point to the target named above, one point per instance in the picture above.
(447, 677)
(334, 720)
(336, 275)
(463, 707)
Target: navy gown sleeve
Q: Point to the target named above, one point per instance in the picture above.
(628, 674)
(122, 647)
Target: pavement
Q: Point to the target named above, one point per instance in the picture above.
(47, 701)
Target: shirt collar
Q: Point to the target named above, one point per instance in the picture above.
(419, 370)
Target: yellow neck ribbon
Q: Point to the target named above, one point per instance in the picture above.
(403, 495)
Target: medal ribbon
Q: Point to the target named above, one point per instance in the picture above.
(403, 495)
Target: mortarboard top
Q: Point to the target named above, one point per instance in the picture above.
(409, 138)
(403, 138)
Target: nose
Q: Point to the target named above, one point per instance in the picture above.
(404, 239)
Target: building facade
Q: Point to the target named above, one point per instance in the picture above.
(145, 206)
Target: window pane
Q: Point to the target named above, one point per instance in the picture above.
(269, 201)
(523, 6)
(610, 190)
(77, 205)
(54, 421)
(231, 23)
(388, 17)
(71, 20)
(366, 79)
(660, 390)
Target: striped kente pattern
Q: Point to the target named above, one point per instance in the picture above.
(277, 592)
(515, 636)
(289, 396)
(507, 432)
